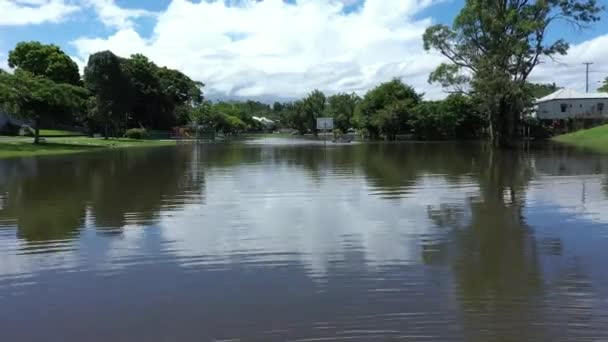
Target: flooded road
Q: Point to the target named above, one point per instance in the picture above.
(285, 240)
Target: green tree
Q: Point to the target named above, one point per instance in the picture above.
(496, 45)
(39, 99)
(342, 107)
(386, 109)
(105, 77)
(177, 90)
(44, 60)
(453, 117)
(604, 87)
(146, 104)
(538, 90)
(292, 115)
(313, 106)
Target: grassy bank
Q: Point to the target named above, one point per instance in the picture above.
(58, 133)
(595, 139)
(23, 147)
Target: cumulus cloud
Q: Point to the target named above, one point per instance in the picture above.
(272, 49)
(275, 48)
(114, 16)
(568, 71)
(24, 12)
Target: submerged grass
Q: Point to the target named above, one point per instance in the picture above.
(23, 147)
(595, 139)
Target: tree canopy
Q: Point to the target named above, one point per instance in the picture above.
(493, 46)
(46, 61)
(386, 109)
(39, 99)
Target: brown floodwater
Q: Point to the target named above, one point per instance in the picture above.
(287, 240)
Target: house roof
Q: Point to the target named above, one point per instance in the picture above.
(570, 94)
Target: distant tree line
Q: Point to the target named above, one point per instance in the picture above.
(390, 109)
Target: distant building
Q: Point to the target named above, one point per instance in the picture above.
(570, 104)
(268, 124)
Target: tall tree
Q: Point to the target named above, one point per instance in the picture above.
(104, 76)
(342, 107)
(386, 109)
(496, 45)
(314, 107)
(46, 61)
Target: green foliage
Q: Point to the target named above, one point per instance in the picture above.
(136, 133)
(604, 87)
(454, 117)
(342, 108)
(158, 93)
(135, 91)
(105, 77)
(46, 61)
(496, 45)
(293, 116)
(431, 121)
(221, 117)
(538, 90)
(39, 99)
(386, 109)
(313, 107)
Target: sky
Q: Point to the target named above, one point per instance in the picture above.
(277, 49)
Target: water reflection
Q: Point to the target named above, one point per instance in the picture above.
(269, 240)
(49, 199)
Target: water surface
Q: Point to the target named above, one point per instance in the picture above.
(278, 239)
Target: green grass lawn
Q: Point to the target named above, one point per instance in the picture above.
(23, 147)
(595, 139)
(58, 132)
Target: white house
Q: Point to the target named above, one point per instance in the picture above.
(265, 121)
(570, 104)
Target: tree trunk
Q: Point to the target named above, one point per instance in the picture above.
(37, 130)
(106, 130)
(504, 126)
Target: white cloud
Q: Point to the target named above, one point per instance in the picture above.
(568, 71)
(3, 62)
(273, 48)
(25, 12)
(117, 17)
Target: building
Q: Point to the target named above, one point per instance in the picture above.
(569, 104)
(268, 124)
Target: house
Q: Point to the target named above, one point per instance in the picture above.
(569, 104)
(268, 124)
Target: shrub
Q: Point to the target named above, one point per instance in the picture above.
(136, 133)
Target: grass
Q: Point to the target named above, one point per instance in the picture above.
(57, 132)
(23, 147)
(595, 139)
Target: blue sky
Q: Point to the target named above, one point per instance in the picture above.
(280, 48)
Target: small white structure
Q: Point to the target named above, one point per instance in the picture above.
(570, 104)
(265, 121)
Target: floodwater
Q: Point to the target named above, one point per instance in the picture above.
(285, 240)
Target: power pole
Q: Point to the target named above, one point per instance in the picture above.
(587, 76)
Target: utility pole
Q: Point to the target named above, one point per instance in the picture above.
(587, 76)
